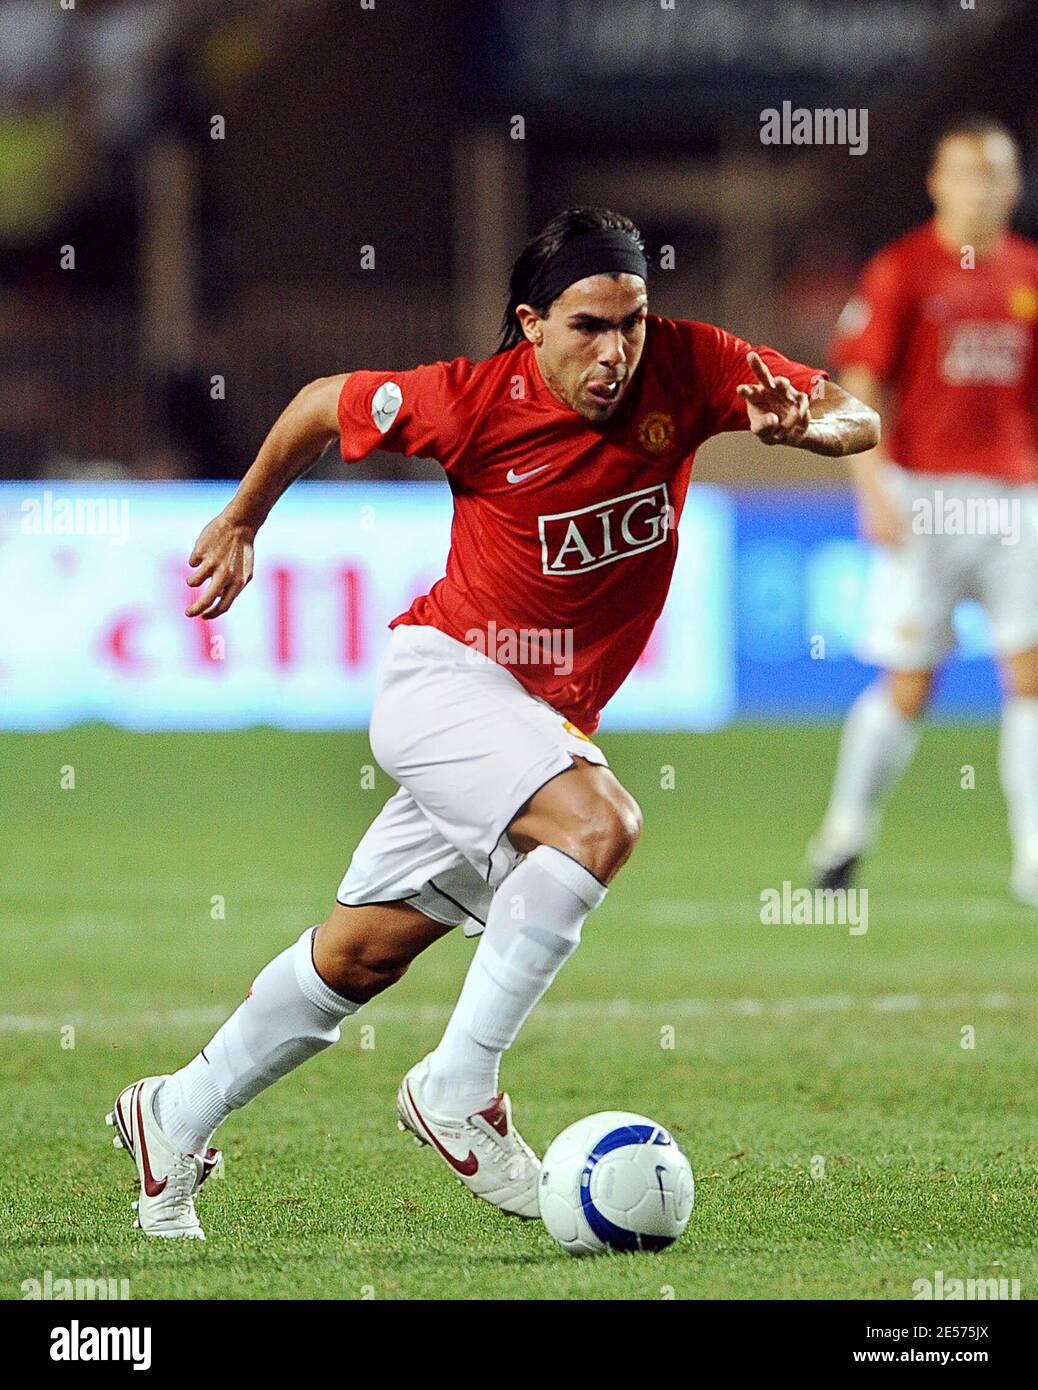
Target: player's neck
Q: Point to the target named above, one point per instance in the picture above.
(956, 236)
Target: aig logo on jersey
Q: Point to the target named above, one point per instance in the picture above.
(575, 542)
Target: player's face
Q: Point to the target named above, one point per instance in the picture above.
(975, 182)
(591, 342)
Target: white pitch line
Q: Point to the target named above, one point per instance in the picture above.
(617, 1009)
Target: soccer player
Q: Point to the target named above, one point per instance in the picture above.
(942, 337)
(568, 453)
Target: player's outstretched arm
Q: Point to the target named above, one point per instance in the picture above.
(223, 552)
(834, 423)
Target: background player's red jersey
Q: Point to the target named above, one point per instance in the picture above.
(959, 348)
(560, 524)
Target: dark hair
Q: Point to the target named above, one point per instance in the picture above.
(545, 244)
(974, 126)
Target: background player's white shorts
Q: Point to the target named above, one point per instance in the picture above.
(914, 587)
(469, 747)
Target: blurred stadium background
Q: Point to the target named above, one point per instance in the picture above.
(205, 203)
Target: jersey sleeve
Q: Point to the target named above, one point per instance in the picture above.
(410, 413)
(871, 328)
(725, 367)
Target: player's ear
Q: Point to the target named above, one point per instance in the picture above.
(530, 322)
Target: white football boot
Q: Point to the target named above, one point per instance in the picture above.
(485, 1151)
(169, 1179)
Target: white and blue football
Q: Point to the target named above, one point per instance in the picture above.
(615, 1181)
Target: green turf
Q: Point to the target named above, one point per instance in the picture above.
(791, 1043)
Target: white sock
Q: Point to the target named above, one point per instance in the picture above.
(877, 745)
(1018, 765)
(533, 927)
(288, 1015)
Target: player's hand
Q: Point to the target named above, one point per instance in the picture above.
(880, 520)
(779, 413)
(223, 556)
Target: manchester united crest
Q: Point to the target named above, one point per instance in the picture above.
(657, 432)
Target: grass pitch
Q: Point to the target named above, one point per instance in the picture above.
(844, 1139)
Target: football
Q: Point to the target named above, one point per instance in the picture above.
(615, 1181)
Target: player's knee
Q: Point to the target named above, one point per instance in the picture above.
(910, 691)
(361, 977)
(358, 968)
(370, 976)
(606, 833)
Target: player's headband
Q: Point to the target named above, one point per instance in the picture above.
(590, 253)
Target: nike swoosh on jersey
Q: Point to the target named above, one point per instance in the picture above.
(514, 477)
(465, 1166)
(151, 1187)
(385, 405)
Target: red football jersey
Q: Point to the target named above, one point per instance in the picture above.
(958, 349)
(559, 525)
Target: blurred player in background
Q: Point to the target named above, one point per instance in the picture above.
(942, 338)
(569, 453)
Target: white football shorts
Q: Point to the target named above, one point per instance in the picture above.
(469, 747)
(968, 537)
